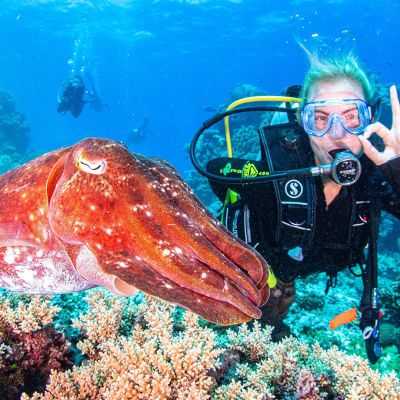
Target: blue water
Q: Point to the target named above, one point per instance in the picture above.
(166, 60)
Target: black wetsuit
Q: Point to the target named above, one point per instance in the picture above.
(71, 99)
(335, 244)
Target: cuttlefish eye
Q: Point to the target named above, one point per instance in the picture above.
(96, 167)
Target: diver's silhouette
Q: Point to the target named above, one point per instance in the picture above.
(138, 135)
(70, 97)
(74, 94)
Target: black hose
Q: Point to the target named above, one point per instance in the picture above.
(212, 121)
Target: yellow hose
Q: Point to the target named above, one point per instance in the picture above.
(251, 99)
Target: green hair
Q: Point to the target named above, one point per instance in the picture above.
(346, 67)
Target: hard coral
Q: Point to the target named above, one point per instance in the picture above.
(29, 347)
(159, 358)
(154, 361)
(291, 369)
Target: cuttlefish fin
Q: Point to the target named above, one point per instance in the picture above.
(88, 268)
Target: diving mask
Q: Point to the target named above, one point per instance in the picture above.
(352, 114)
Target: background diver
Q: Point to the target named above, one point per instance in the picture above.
(138, 135)
(311, 225)
(70, 96)
(74, 94)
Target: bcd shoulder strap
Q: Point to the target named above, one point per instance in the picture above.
(285, 147)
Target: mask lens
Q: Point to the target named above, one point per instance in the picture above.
(351, 118)
(352, 114)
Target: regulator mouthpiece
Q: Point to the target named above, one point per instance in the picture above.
(345, 168)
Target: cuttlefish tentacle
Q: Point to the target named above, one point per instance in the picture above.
(237, 251)
(187, 243)
(183, 232)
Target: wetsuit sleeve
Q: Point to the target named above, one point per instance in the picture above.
(391, 172)
(391, 197)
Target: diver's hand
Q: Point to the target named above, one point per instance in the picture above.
(391, 138)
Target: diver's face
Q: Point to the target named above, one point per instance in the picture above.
(337, 137)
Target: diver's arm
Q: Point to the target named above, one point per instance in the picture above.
(391, 172)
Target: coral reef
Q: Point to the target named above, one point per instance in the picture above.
(153, 350)
(390, 296)
(157, 359)
(14, 133)
(29, 346)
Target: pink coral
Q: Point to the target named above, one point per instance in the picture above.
(29, 347)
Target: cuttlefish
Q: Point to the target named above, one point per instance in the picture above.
(95, 214)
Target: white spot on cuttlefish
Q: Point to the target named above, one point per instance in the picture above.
(27, 275)
(9, 256)
(49, 265)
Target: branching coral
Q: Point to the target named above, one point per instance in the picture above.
(28, 315)
(290, 369)
(165, 357)
(29, 347)
(155, 361)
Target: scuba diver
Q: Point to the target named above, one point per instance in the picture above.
(70, 96)
(312, 200)
(74, 94)
(138, 135)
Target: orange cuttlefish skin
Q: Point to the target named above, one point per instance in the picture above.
(96, 214)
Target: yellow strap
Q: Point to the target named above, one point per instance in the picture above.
(251, 99)
(233, 196)
(272, 281)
